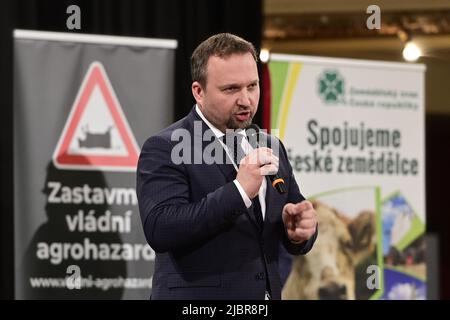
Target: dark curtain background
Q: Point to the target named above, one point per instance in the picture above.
(187, 21)
(6, 160)
(437, 191)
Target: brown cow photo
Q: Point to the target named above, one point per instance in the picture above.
(336, 266)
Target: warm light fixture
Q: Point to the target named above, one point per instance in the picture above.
(264, 55)
(411, 52)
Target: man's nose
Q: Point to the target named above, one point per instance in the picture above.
(244, 98)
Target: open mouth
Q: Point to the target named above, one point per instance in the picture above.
(243, 115)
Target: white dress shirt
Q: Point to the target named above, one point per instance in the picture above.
(247, 148)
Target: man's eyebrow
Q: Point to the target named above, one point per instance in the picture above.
(231, 85)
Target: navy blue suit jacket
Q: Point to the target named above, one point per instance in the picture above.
(208, 244)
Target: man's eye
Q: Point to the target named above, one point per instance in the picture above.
(230, 89)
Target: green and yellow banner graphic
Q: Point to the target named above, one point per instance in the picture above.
(354, 132)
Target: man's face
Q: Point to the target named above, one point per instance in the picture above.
(231, 96)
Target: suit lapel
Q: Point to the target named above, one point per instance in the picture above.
(227, 166)
(199, 128)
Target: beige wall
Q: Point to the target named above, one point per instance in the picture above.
(437, 61)
(436, 47)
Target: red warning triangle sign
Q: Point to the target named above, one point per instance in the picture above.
(96, 135)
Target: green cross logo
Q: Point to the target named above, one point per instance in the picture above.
(331, 86)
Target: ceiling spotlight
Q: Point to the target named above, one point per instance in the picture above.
(264, 55)
(411, 52)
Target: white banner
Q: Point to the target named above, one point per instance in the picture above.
(354, 131)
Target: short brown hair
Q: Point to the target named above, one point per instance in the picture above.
(220, 45)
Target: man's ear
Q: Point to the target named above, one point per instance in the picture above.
(197, 91)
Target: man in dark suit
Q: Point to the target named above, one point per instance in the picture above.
(216, 225)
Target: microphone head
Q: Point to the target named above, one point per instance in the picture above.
(252, 132)
(253, 127)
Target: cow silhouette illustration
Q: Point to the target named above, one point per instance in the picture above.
(96, 140)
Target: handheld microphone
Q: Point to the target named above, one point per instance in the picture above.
(252, 132)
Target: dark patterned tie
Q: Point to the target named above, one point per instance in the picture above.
(257, 211)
